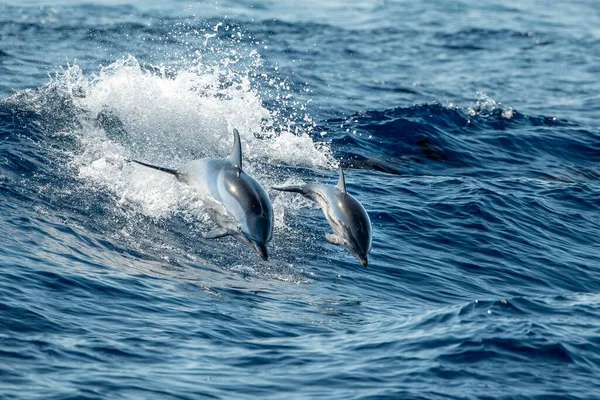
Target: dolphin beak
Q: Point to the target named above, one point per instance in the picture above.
(261, 249)
(364, 261)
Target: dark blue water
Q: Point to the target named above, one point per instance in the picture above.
(469, 132)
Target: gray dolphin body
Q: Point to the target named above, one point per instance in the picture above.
(237, 203)
(347, 217)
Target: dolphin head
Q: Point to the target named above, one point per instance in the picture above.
(261, 249)
(361, 256)
(247, 201)
(257, 227)
(359, 237)
(353, 225)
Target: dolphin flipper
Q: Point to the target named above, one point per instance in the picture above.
(333, 239)
(217, 233)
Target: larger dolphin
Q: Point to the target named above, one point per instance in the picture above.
(237, 203)
(347, 217)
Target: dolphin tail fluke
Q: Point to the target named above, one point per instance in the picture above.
(163, 169)
(293, 189)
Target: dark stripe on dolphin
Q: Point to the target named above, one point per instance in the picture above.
(163, 169)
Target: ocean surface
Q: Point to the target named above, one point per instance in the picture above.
(469, 130)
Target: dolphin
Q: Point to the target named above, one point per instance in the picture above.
(236, 202)
(347, 217)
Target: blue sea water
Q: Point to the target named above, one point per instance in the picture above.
(469, 131)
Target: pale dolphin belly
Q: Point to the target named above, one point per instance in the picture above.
(237, 202)
(202, 176)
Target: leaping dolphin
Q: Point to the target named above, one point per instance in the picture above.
(237, 203)
(347, 217)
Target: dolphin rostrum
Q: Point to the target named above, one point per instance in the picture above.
(237, 203)
(347, 217)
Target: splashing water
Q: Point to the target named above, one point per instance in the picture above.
(169, 118)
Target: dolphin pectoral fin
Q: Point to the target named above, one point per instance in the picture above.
(217, 233)
(333, 239)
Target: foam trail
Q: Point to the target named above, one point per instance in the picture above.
(130, 112)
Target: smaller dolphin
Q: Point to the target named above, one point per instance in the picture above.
(347, 217)
(237, 203)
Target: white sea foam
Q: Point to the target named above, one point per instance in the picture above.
(171, 118)
(486, 105)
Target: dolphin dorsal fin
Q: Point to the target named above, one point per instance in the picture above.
(236, 153)
(342, 182)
